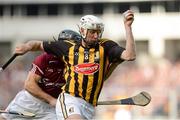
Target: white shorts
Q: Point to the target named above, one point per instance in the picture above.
(24, 101)
(68, 105)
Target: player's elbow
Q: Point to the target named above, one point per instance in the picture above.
(128, 56)
(27, 85)
(131, 58)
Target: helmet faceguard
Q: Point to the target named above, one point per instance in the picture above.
(90, 22)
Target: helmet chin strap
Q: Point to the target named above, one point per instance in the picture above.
(84, 37)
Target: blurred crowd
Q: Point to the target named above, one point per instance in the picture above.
(159, 77)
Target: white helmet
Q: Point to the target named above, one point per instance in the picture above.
(91, 22)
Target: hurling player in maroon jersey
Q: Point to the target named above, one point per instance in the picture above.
(42, 86)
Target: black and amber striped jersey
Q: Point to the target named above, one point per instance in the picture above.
(85, 67)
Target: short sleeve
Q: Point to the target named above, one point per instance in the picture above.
(57, 48)
(38, 64)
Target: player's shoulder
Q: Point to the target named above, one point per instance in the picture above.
(71, 43)
(105, 40)
(42, 61)
(43, 57)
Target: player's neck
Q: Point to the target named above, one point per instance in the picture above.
(84, 44)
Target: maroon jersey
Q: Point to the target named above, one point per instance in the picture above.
(50, 68)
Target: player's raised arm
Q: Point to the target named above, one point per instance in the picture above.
(130, 52)
(33, 45)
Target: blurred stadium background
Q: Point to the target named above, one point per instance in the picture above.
(157, 34)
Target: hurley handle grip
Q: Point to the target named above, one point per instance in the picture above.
(8, 62)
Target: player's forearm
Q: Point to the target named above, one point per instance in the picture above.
(29, 46)
(34, 45)
(40, 94)
(130, 50)
(32, 86)
(130, 44)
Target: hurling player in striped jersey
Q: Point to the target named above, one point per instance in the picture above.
(86, 64)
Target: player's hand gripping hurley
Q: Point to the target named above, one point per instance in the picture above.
(141, 99)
